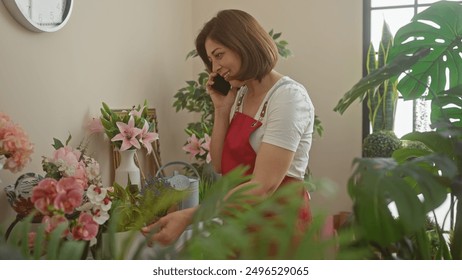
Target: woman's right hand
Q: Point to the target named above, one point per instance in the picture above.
(170, 227)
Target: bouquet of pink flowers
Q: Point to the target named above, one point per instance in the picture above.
(72, 194)
(15, 147)
(129, 130)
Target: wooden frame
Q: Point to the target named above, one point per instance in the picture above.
(151, 162)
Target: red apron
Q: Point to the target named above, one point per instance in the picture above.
(237, 151)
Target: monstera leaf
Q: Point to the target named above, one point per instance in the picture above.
(439, 28)
(424, 50)
(378, 183)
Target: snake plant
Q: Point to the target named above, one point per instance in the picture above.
(381, 100)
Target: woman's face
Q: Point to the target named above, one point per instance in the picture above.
(224, 61)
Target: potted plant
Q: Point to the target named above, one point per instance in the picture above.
(417, 181)
(381, 101)
(134, 208)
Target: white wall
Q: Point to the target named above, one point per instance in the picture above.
(117, 51)
(123, 52)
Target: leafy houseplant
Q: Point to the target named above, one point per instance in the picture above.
(136, 208)
(426, 60)
(222, 231)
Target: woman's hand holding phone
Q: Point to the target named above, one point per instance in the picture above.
(221, 85)
(220, 91)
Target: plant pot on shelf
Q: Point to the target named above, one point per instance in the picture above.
(127, 172)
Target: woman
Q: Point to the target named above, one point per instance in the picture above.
(265, 121)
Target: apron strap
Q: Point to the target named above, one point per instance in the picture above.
(267, 98)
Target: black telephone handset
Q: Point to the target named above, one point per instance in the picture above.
(221, 85)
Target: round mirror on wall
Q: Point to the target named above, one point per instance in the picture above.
(40, 15)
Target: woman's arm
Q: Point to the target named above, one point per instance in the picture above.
(220, 127)
(270, 169)
(271, 166)
(222, 109)
(170, 227)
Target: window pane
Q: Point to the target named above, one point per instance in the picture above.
(396, 18)
(385, 3)
(403, 117)
(422, 115)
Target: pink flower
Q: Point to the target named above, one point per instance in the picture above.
(70, 195)
(86, 228)
(44, 194)
(95, 126)
(136, 113)
(31, 239)
(64, 197)
(14, 145)
(127, 135)
(4, 118)
(70, 163)
(147, 137)
(206, 146)
(51, 223)
(67, 159)
(194, 146)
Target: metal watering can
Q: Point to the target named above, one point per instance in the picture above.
(183, 183)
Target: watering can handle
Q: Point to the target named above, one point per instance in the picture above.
(176, 163)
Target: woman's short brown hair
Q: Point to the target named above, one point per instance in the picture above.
(241, 33)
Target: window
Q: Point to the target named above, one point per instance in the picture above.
(410, 115)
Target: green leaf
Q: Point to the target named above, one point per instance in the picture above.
(378, 181)
(438, 28)
(433, 140)
(276, 36)
(390, 70)
(192, 53)
(57, 144)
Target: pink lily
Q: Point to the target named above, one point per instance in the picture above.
(147, 137)
(206, 147)
(127, 135)
(136, 113)
(95, 126)
(194, 146)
